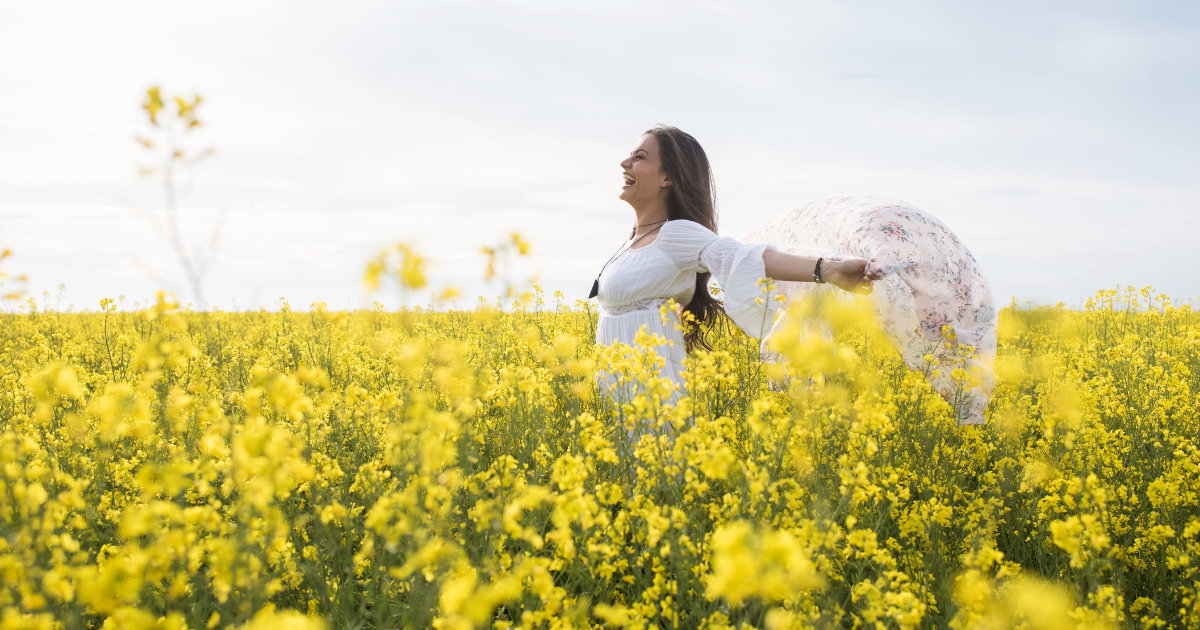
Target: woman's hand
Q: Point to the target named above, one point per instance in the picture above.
(850, 274)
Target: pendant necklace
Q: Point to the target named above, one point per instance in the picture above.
(622, 250)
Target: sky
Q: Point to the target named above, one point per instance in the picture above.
(1057, 139)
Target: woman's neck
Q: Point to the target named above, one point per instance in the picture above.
(649, 218)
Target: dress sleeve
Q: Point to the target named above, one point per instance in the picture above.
(682, 241)
(737, 268)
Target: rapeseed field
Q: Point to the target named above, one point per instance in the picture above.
(461, 468)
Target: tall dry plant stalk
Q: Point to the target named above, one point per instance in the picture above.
(169, 157)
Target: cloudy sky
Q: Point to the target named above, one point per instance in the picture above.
(1058, 139)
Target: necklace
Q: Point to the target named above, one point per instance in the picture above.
(621, 251)
(634, 230)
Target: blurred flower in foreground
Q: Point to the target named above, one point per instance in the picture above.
(400, 262)
(12, 294)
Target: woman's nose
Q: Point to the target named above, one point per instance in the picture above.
(627, 163)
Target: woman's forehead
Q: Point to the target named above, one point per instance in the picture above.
(648, 143)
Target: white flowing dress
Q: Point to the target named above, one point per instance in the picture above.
(634, 287)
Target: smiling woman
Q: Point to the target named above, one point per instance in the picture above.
(674, 250)
(935, 286)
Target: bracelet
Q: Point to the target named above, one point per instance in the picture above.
(817, 272)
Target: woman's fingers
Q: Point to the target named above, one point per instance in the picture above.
(865, 282)
(856, 276)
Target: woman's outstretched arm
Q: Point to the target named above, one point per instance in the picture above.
(848, 274)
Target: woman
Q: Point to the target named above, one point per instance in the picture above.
(674, 249)
(931, 280)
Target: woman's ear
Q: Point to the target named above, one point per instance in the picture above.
(666, 182)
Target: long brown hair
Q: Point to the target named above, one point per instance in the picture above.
(693, 197)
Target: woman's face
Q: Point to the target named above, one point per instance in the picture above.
(645, 181)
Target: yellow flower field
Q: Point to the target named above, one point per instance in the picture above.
(461, 469)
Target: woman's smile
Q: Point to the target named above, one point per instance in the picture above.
(628, 180)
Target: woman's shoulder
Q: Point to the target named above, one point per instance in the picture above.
(686, 229)
(681, 242)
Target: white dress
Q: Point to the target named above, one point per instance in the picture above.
(634, 287)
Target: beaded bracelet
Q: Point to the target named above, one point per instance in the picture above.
(817, 272)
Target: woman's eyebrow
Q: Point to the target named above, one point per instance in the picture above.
(636, 150)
